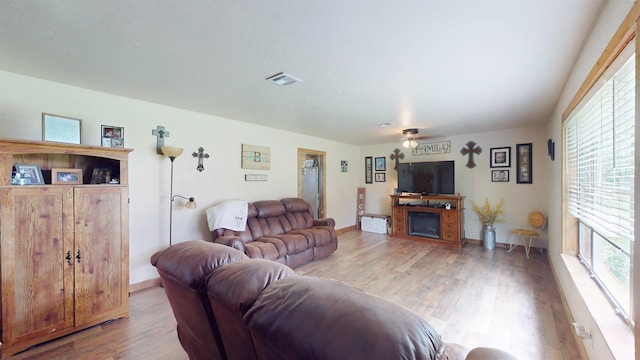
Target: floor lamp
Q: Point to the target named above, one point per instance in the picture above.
(172, 153)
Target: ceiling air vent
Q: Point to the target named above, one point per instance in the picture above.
(283, 79)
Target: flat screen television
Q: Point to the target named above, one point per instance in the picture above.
(433, 177)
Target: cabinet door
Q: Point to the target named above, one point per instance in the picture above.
(36, 230)
(102, 253)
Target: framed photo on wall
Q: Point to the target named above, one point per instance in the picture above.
(381, 164)
(524, 173)
(61, 129)
(381, 177)
(368, 170)
(112, 136)
(501, 157)
(500, 175)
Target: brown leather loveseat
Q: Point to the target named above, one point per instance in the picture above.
(283, 231)
(229, 306)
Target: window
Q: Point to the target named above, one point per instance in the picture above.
(599, 173)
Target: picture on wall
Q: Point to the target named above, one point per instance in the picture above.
(381, 177)
(501, 157)
(61, 129)
(368, 170)
(381, 164)
(500, 175)
(256, 157)
(344, 166)
(112, 136)
(524, 159)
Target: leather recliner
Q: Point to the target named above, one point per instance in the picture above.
(229, 306)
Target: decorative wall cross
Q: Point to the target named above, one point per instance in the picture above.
(397, 155)
(200, 155)
(160, 133)
(471, 149)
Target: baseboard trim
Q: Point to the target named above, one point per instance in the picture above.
(144, 285)
(344, 230)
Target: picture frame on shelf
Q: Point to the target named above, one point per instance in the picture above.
(500, 157)
(368, 170)
(101, 175)
(524, 174)
(112, 136)
(500, 175)
(31, 172)
(61, 129)
(381, 177)
(381, 164)
(66, 176)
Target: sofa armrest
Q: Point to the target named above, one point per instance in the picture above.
(232, 241)
(325, 222)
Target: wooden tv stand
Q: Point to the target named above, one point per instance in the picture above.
(447, 225)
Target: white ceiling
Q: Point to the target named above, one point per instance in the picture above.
(445, 67)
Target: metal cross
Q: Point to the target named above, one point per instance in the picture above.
(160, 133)
(471, 149)
(397, 155)
(200, 155)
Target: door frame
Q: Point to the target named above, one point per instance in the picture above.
(306, 154)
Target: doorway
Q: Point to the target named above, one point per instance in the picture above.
(311, 180)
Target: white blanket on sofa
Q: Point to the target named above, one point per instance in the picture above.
(230, 214)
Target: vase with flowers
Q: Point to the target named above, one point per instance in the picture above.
(488, 216)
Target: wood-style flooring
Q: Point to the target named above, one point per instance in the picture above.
(472, 296)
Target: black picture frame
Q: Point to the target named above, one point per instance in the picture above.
(524, 172)
(381, 164)
(500, 157)
(368, 170)
(499, 175)
(381, 177)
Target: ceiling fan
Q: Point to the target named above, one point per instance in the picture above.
(412, 135)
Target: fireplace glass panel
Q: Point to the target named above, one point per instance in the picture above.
(425, 224)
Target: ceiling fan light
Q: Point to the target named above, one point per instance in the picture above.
(414, 143)
(406, 143)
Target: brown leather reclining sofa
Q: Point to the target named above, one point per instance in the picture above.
(283, 231)
(229, 306)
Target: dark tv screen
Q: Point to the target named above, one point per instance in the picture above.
(433, 177)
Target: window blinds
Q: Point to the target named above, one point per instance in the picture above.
(599, 150)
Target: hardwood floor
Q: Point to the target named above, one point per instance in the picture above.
(472, 296)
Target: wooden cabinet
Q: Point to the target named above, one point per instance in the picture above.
(445, 226)
(63, 248)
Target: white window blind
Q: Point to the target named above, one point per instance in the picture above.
(600, 157)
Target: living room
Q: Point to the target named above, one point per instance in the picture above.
(24, 97)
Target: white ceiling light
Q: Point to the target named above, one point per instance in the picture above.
(283, 79)
(410, 133)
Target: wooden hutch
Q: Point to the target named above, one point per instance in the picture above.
(426, 218)
(64, 248)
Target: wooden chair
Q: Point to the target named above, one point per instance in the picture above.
(537, 222)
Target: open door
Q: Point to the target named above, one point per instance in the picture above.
(311, 180)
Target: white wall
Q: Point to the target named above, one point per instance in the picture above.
(24, 99)
(610, 19)
(475, 183)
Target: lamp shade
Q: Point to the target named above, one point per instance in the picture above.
(172, 151)
(191, 204)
